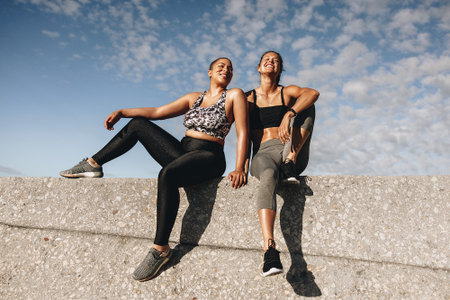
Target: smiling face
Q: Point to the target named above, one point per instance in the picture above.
(221, 70)
(271, 63)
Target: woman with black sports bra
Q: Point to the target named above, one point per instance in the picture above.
(198, 157)
(278, 116)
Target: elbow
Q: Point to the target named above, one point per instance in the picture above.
(315, 95)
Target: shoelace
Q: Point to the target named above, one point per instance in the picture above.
(269, 252)
(83, 160)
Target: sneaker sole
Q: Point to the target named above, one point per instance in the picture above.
(272, 271)
(291, 180)
(157, 270)
(84, 175)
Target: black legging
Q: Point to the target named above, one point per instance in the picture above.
(184, 163)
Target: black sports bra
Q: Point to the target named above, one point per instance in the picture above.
(267, 117)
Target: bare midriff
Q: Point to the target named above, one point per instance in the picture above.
(260, 136)
(203, 136)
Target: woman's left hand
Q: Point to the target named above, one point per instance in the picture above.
(283, 130)
(238, 178)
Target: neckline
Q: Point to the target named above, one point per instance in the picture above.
(203, 95)
(282, 99)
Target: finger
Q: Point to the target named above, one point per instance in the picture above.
(232, 179)
(241, 180)
(237, 182)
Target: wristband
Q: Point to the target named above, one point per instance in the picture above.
(293, 111)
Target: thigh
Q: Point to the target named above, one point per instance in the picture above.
(194, 167)
(267, 158)
(160, 144)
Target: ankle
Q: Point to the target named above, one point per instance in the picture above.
(288, 159)
(163, 249)
(270, 244)
(93, 163)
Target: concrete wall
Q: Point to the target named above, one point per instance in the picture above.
(355, 237)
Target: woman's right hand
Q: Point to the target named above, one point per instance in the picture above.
(237, 178)
(112, 119)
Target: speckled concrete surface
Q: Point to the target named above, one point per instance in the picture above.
(50, 264)
(362, 237)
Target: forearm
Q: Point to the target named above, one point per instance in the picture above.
(306, 99)
(242, 154)
(145, 112)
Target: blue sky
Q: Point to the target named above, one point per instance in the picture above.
(382, 68)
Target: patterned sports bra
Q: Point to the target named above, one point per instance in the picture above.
(211, 120)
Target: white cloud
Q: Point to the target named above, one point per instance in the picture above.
(405, 18)
(77, 56)
(304, 14)
(201, 80)
(368, 6)
(307, 57)
(440, 81)
(304, 42)
(444, 14)
(67, 7)
(354, 27)
(341, 40)
(52, 34)
(418, 44)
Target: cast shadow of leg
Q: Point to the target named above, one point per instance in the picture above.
(197, 217)
(291, 221)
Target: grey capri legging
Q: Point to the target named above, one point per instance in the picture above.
(265, 166)
(268, 157)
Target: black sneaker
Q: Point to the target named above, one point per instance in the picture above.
(290, 171)
(272, 263)
(303, 181)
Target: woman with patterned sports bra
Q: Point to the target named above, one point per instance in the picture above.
(281, 122)
(198, 157)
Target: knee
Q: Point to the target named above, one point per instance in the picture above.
(269, 175)
(167, 175)
(138, 122)
(261, 165)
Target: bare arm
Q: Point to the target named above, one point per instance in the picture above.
(240, 111)
(173, 109)
(305, 98)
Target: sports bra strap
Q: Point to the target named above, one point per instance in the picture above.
(282, 96)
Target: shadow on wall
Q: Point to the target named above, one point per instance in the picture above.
(291, 222)
(196, 218)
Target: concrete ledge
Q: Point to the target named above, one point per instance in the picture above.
(359, 236)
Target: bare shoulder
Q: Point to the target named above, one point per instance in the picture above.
(191, 97)
(249, 96)
(296, 91)
(236, 94)
(292, 89)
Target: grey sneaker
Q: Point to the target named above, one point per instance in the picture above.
(151, 264)
(83, 169)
